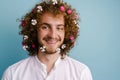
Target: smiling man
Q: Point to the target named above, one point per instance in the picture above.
(49, 31)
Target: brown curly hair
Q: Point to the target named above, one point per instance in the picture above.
(71, 25)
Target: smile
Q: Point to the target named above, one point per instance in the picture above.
(52, 41)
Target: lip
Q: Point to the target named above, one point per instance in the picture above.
(51, 41)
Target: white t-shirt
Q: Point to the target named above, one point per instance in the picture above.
(32, 69)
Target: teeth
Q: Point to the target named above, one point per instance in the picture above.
(52, 41)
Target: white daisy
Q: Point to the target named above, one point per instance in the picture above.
(33, 22)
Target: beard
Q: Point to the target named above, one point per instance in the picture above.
(51, 52)
(48, 49)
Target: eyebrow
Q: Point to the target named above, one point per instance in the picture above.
(60, 25)
(44, 24)
(50, 25)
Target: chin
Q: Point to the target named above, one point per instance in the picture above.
(50, 52)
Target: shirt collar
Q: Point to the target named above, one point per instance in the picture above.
(44, 66)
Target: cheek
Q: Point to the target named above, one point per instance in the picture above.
(62, 35)
(40, 35)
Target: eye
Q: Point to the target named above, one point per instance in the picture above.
(44, 27)
(60, 28)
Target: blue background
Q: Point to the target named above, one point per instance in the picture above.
(98, 45)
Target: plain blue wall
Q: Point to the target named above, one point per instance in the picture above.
(98, 45)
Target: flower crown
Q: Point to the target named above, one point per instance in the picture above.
(62, 8)
(39, 9)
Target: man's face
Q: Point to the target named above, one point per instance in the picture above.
(51, 31)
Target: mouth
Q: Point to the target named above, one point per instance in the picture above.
(51, 41)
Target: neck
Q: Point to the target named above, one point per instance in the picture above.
(48, 59)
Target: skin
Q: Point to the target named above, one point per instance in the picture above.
(51, 34)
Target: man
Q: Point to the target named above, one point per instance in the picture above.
(49, 32)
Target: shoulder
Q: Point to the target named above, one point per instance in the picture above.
(78, 68)
(21, 63)
(75, 63)
(18, 67)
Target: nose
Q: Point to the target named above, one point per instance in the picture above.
(52, 33)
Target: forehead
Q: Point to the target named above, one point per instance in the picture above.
(48, 17)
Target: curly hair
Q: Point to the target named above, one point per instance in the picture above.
(30, 30)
